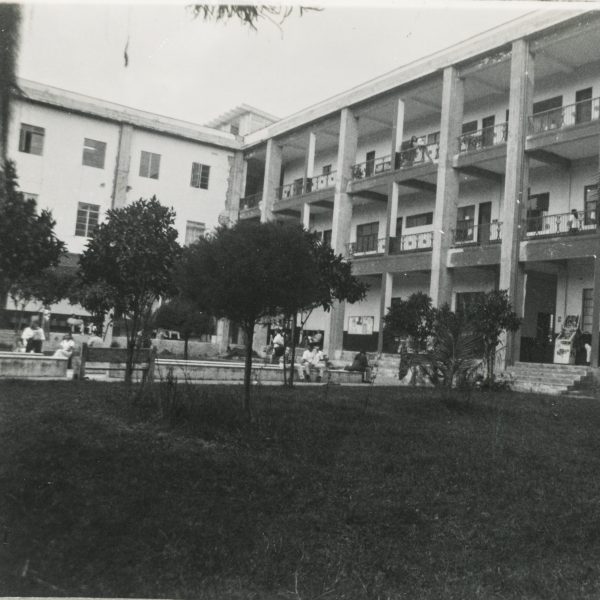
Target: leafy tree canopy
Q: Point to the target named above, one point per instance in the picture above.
(128, 263)
(412, 317)
(28, 244)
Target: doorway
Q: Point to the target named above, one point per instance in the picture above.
(484, 223)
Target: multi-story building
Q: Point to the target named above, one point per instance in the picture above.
(473, 169)
(80, 156)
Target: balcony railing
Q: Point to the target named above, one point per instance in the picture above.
(411, 242)
(561, 224)
(483, 138)
(371, 167)
(311, 184)
(250, 201)
(367, 245)
(565, 116)
(418, 155)
(467, 233)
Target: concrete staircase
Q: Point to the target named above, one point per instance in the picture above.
(547, 378)
(387, 369)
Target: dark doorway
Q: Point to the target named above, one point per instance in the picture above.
(487, 131)
(484, 221)
(583, 108)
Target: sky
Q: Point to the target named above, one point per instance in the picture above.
(195, 71)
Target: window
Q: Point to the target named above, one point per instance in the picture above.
(200, 176)
(469, 127)
(465, 219)
(537, 208)
(549, 104)
(326, 169)
(547, 114)
(433, 138)
(193, 232)
(587, 307)
(419, 220)
(87, 219)
(325, 237)
(367, 236)
(590, 204)
(31, 139)
(149, 165)
(583, 108)
(235, 129)
(370, 166)
(93, 153)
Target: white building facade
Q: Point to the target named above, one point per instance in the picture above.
(454, 175)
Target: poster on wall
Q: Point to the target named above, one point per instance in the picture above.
(360, 325)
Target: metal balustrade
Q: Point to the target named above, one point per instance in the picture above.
(467, 232)
(565, 116)
(560, 224)
(306, 186)
(411, 242)
(250, 201)
(367, 245)
(371, 167)
(483, 138)
(418, 155)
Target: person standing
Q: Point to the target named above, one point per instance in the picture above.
(278, 346)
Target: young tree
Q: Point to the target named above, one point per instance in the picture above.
(127, 265)
(182, 315)
(413, 317)
(489, 316)
(258, 270)
(28, 245)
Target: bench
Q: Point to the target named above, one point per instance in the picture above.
(38, 366)
(213, 370)
(111, 362)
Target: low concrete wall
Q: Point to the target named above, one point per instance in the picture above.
(19, 365)
(234, 371)
(195, 349)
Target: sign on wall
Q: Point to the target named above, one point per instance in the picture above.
(361, 325)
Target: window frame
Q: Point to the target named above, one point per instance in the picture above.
(410, 220)
(146, 166)
(200, 177)
(189, 226)
(92, 153)
(31, 139)
(87, 209)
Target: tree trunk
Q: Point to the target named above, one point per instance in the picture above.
(293, 352)
(249, 333)
(185, 348)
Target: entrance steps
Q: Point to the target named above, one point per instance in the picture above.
(546, 378)
(388, 366)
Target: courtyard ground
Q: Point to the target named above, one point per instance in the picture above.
(329, 493)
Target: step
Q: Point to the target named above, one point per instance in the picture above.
(549, 367)
(560, 379)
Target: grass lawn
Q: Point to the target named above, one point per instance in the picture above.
(340, 493)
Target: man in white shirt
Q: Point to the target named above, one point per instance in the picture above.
(312, 359)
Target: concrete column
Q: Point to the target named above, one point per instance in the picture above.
(444, 216)
(341, 219)
(385, 301)
(223, 329)
(596, 313)
(520, 105)
(236, 184)
(306, 216)
(397, 130)
(391, 215)
(119, 197)
(271, 183)
(309, 160)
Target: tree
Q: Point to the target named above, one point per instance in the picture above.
(312, 276)
(128, 264)
(253, 271)
(182, 315)
(28, 244)
(413, 317)
(247, 14)
(489, 316)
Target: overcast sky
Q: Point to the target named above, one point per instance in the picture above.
(193, 70)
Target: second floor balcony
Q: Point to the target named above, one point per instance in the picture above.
(371, 245)
(560, 224)
(250, 201)
(302, 186)
(581, 112)
(467, 233)
(483, 138)
(419, 154)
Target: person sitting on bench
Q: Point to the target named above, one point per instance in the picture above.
(361, 364)
(312, 359)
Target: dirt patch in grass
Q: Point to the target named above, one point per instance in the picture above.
(329, 493)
